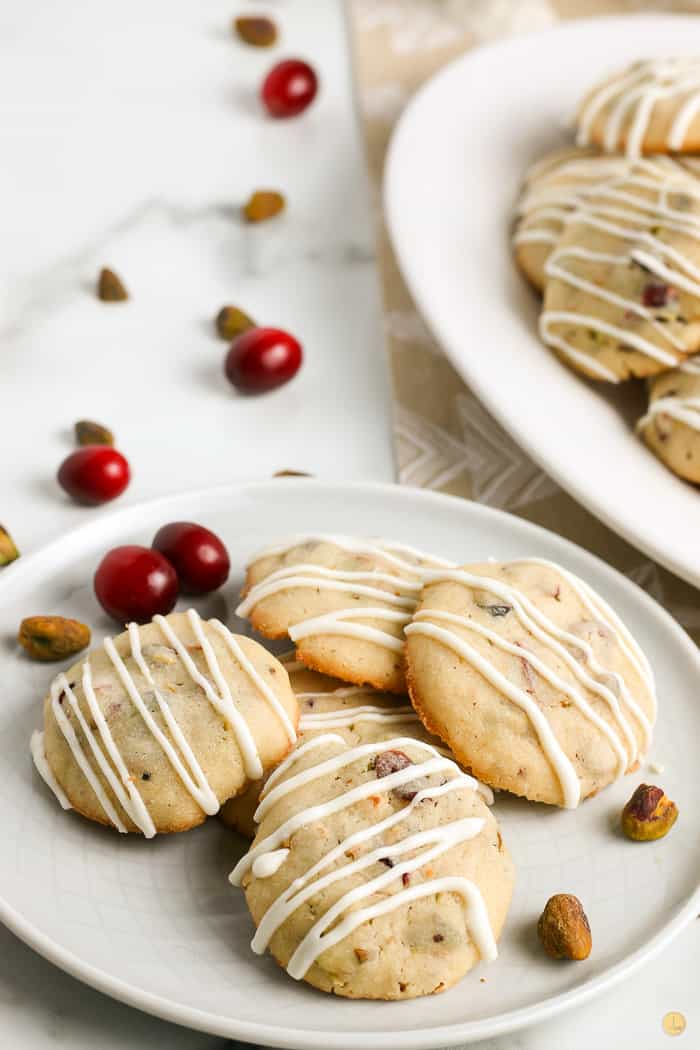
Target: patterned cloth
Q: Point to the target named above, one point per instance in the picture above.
(445, 439)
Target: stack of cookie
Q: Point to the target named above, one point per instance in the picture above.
(609, 232)
(376, 869)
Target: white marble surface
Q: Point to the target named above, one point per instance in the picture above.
(130, 136)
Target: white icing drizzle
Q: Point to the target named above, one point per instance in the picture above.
(341, 622)
(547, 632)
(328, 580)
(681, 406)
(342, 693)
(127, 795)
(178, 751)
(277, 913)
(221, 701)
(385, 549)
(38, 753)
(299, 751)
(320, 937)
(636, 91)
(402, 776)
(587, 670)
(555, 186)
(346, 716)
(349, 715)
(568, 779)
(60, 687)
(639, 245)
(269, 863)
(683, 409)
(545, 671)
(198, 788)
(257, 679)
(597, 606)
(345, 800)
(429, 844)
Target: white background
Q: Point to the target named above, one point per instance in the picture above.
(129, 136)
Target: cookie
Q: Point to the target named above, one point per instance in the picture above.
(671, 427)
(622, 296)
(552, 189)
(343, 601)
(377, 870)
(359, 714)
(647, 107)
(531, 679)
(155, 729)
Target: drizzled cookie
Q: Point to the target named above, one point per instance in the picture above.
(647, 107)
(377, 870)
(531, 679)
(160, 725)
(343, 601)
(359, 714)
(552, 189)
(622, 296)
(671, 426)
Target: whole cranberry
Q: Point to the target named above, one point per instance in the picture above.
(135, 583)
(262, 359)
(289, 88)
(94, 474)
(198, 556)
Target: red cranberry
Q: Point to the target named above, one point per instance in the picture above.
(198, 556)
(262, 359)
(289, 88)
(94, 474)
(135, 583)
(657, 294)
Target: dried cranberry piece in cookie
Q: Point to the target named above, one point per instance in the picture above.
(656, 294)
(407, 792)
(390, 762)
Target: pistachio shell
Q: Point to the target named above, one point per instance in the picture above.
(263, 205)
(563, 928)
(649, 814)
(110, 288)
(49, 638)
(8, 549)
(231, 321)
(89, 433)
(256, 30)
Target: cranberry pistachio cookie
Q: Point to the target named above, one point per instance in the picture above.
(622, 296)
(377, 871)
(552, 189)
(531, 679)
(359, 714)
(160, 725)
(649, 106)
(343, 601)
(671, 427)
